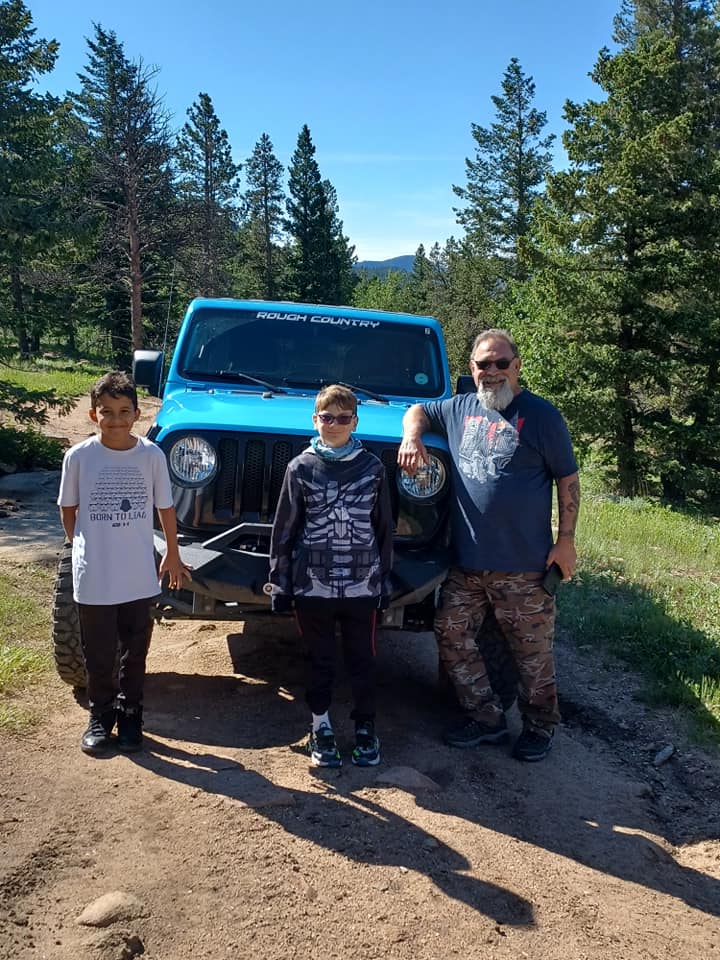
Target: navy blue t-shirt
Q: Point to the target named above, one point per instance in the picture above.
(503, 467)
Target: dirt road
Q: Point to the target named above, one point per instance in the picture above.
(228, 845)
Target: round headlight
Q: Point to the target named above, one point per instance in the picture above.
(193, 461)
(427, 482)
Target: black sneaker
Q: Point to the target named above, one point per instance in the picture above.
(533, 745)
(367, 746)
(322, 749)
(97, 738)
(471, 733)
(130, 724)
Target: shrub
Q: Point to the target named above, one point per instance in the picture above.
(27, 449)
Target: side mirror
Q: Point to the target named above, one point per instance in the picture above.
(465, 384)
(147, 370)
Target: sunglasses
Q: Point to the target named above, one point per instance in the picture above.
(501, 364)
(342, 418)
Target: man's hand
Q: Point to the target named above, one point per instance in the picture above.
(411, 452)
(564, 555)
(411, 455)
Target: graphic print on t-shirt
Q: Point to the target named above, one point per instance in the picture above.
(120, 497)
(339, 535)
(488, 442)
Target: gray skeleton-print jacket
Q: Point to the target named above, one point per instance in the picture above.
(332, 535)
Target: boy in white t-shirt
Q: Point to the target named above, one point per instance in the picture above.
(110, 484)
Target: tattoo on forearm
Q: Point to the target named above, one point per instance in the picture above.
(568, 508)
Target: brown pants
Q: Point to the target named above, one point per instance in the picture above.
(526, 616)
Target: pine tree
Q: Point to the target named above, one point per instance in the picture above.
(29, 168)
(471, 300)
(304, 211)
(321, 257)
(263, 212)
(338, 254)
(126, 149)
(382, 293)
(511, 161)
(208, 188)
(630, 236)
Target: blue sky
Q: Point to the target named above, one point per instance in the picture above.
(389, 88)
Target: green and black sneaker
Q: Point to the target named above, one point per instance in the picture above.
(367, 746)
(322, 749)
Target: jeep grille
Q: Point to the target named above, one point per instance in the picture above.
(250, 475)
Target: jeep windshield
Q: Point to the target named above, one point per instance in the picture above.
(307, 350)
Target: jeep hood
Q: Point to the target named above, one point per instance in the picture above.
(227, 410)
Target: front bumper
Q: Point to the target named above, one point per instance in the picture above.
(230, 577)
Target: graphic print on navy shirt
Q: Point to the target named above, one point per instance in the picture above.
(487, 445)
(120, 496)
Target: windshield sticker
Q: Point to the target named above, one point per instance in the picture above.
(421, 379)
(318, 318)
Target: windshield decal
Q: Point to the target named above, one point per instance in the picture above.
(318, 318)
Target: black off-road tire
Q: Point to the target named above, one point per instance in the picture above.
(69, 659)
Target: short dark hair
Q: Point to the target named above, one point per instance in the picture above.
(342, 397)
(495, 333)
(116, 384)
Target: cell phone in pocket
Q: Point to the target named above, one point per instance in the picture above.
(552, 579)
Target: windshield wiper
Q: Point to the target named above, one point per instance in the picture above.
(368, 393)
(233, 376)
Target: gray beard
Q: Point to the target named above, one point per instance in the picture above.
(495, 398)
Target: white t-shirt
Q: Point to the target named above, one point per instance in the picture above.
(115, 492)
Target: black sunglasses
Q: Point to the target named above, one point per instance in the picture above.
(501, 364)
(342, 418)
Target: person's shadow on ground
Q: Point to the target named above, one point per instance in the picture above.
(601, 832)
(342, 822)
(600, 829)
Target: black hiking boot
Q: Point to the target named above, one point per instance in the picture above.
(533, 745)
(97, 738)
(130, 724)
(471, 733)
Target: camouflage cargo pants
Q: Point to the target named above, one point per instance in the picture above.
(526, 616)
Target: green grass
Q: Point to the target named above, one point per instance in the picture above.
(648, 589)
(25, 656)
(24, 445)
(69, 379)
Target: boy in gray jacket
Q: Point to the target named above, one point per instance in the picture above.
(331, 556)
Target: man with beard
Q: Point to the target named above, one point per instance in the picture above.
(509, 447)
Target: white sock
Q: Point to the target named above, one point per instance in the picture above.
(321, 720)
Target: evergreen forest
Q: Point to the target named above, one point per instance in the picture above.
(607, 272)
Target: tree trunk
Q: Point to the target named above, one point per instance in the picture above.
(702, 403)
(269, 285)
(624, 441)
(20, 325)
(136, 325)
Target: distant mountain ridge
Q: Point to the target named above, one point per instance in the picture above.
(383, 267)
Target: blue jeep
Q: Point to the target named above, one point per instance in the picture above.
(237, 407)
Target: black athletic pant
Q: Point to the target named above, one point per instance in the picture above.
(316, 619)
(104, 629)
